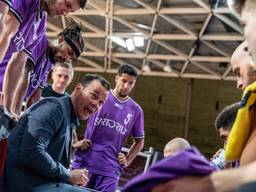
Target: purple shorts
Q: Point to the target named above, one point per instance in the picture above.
(102, 183)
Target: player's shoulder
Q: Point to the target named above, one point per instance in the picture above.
(135, 105)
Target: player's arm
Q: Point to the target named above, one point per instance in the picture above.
(15, 66)
(4, 7)
(22, 87)
(231, 179)
(135, 148)
(10, 26)
(34, 97)
(219, 181)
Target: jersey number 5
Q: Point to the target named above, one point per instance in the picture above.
(128, 118)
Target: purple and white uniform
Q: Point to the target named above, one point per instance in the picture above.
(41, 70)
(32, 27)
(108, 130)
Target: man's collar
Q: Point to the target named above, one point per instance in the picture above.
(73, 119)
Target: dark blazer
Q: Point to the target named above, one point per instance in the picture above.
(39, 146)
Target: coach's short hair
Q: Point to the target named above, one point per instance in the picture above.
(88, 78)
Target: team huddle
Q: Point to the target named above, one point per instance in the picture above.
(36, 138)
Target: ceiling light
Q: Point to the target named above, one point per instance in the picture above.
(167, 68)
(130, 45)
(118, 41)
(231, 5)
(138, 41)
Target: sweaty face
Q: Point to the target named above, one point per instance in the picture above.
(248, 21)
(64, 53)
(124, 84)
(61, 7)
(89, 99)
(244, 72)
(61, 77)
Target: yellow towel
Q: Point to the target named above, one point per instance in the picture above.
(242, 127)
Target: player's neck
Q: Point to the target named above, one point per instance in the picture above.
(120, 97)
(58, 90)
(43, 5)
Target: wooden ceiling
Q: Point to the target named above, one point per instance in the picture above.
(182, 38)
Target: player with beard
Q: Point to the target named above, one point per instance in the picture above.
(244, 69)
(23, 23)
(70, 46)
(246, 10)
(19, 15)
(106, 133)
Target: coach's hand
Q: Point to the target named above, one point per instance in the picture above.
(82, 144)
(122, 159)
(15, 117)
(78, 177)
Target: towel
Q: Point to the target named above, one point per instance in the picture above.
(185, 163)
(243, 125)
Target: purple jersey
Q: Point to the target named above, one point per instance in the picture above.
(185, 163)
(39, 75)
(32, 24)
(32, 27)
(108, 130)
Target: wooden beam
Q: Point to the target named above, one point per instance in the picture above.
(184, 10)
(225, 37)
(174, 37)
(138, 11)
(210, 59)
(92, 54)
(90, 62)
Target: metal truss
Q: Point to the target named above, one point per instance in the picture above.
(194, 38)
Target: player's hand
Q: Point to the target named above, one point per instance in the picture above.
(186, 184)
(78, 177)
(122, 159)
(82, 144)
(14, 116)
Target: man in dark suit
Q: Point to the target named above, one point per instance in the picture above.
(38, 152)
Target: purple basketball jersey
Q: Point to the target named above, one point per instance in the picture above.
(39, 75)
(108, 130)
(32, 27)
(185, 163)
(32, 24)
